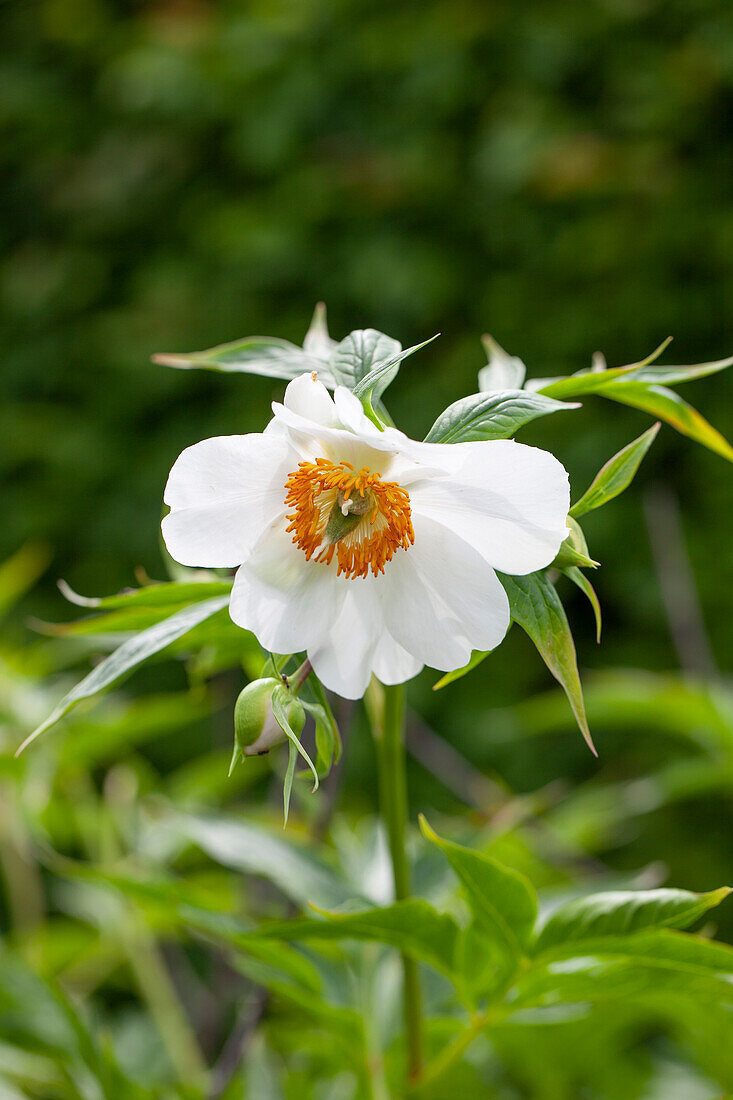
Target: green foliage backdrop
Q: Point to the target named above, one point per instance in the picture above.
(559, 174)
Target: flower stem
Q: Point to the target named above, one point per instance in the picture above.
(388, 728)
(296, 680)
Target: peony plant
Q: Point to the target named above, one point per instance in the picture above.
(361, 556)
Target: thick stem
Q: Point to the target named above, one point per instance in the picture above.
(389, 738)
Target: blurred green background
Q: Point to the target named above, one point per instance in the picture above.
(184, 173)
(559, 174)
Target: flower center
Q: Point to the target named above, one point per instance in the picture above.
(352, 514)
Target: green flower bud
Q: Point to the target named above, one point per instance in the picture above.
(256, 730)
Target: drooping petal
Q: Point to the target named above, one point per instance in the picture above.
(223, 492)
(391, 663)
(344, 658)
(441, 599)
(288, 603)
(509, 501)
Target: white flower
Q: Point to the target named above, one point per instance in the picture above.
(370, 551)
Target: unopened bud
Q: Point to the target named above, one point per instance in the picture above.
(256, 730)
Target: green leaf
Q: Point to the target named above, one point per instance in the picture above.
(327, 739)
(625, 912)
(495, 415)
(536, 607)
(412, 926)
(264, 355)
(281, 697)
(19, 572)
(590, 381)
(502, 901)
(288, 780)
(669, 406)
(616, 474)
(360, 352)
(130, 654)
(150, 595)
(578, 577)
(300, 874)
(334, 734)
(170, 901)
(671, 376)
(491, 416)
(476, 658)
(650, 963)
(574, 550)
(585, 382)
(373, 384)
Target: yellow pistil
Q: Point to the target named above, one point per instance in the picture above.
(352, 514)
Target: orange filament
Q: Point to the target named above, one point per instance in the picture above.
(379, 512)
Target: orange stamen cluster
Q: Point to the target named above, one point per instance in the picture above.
(382, 527)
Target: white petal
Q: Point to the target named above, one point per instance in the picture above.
(288, 603)
(223, 493)
(509, 501)
(310, 414)
(351, 413)
(344, 659)
(391, 663)
(441, 600)
(310, 399)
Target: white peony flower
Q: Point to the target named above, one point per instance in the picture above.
(372, 552)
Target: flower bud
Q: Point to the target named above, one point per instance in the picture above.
(256, 730)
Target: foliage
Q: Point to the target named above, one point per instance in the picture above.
(175, 175)
(605, 954)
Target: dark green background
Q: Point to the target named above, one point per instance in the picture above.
(184, 173)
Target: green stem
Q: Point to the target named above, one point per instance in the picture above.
(388, 728)
(450, 1054)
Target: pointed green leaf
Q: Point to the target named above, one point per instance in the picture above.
(616, 474)
(536, 607)
(334, 732)
(672, 376)
(412, 926)
(288, 780)
(130, 654)
(476, 658)
(281, 698)
(578, 577)
(502, 901)
(575, 385)
(263, 355)
(624, 912)
(150, 595)
(590, 381)
(652, 963)
(252, 849)
(669, 406)
(372, 385)
(495, 415)
(360, 352)
(574, 550)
